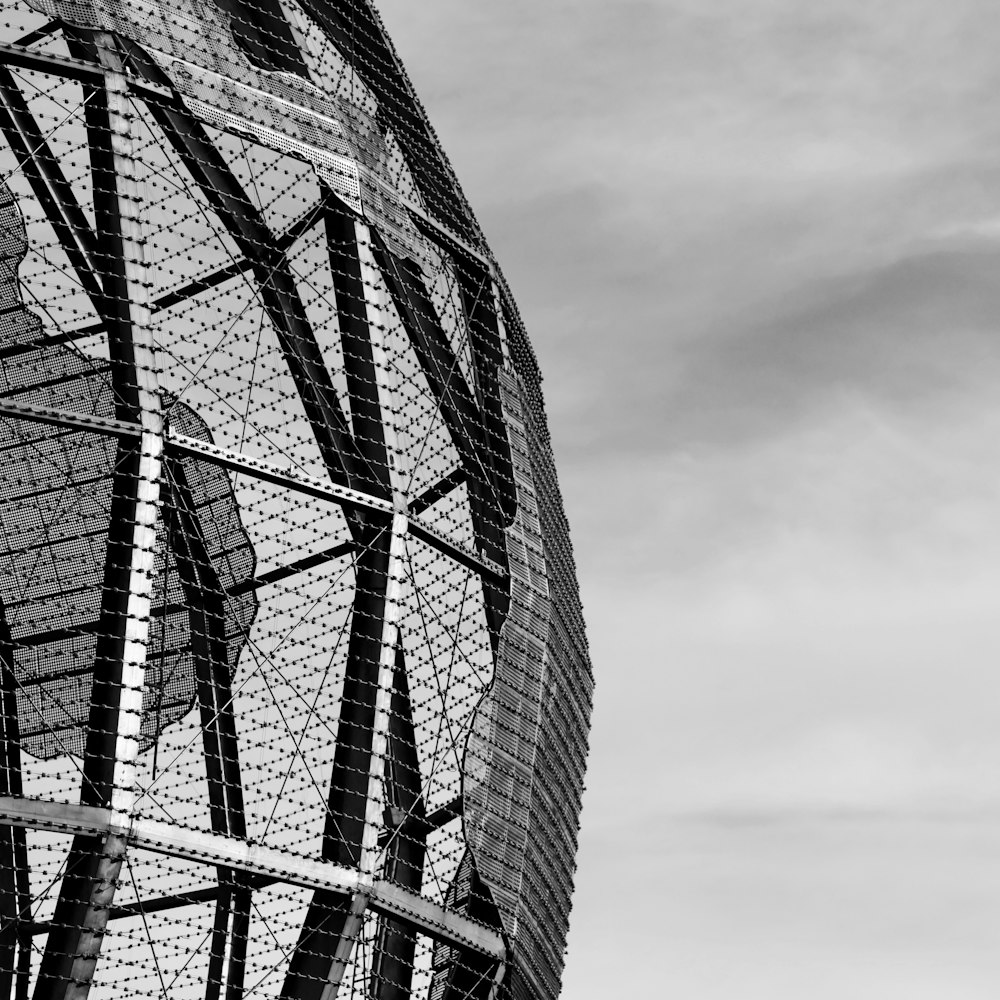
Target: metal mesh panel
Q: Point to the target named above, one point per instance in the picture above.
(293, 683)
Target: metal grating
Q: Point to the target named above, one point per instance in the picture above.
(294, 690)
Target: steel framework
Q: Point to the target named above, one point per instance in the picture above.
(294, 688)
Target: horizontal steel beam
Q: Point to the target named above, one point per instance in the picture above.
(438, 491)
(422, 914)
(461, 554)
(157, 904)
(444, 238)
(256, 468)
(415, 826)
(21, 57)
(182, 293)
(39, 33)
(291, 569)
(163, 610)
(59, 817)
(73, 421)
(50, 62)
(300, 482)
(189, 897)
(181, 444)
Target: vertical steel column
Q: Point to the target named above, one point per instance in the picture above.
(15, 889)
(467, 974)
(278, 292)
(464, 420)
(94, 862)
(479, 302)
(395, 943)
(387, 393)
(477, 427)
(207, 617)
(55, 194)
(332, 927)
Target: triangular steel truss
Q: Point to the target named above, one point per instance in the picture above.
(278, 640)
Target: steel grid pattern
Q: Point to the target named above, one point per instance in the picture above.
(294, 686)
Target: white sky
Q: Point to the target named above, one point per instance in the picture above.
(757, 247)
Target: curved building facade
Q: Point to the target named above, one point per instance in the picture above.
(294, 686)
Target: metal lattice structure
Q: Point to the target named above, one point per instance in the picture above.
(294, 689)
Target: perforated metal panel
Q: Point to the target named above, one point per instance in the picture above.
(295, 689)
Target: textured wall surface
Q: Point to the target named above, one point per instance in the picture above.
(295, 687)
